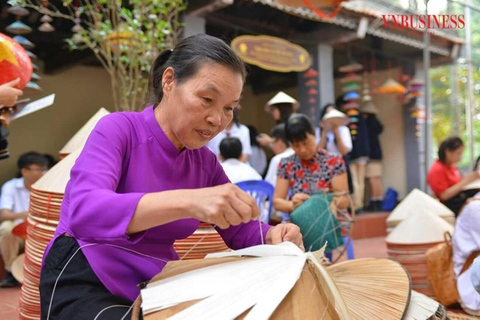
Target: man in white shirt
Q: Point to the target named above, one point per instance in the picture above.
(236, 170)
(14, 202)
(281, 148)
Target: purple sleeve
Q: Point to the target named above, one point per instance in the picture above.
(246, 234)
(97, 212)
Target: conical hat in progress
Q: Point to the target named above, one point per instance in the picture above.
(373, 288)
(55, 180)
(281, 97)
(418, 201)
(420, 227)
(79, 139)
(391, 87)
(423, 307)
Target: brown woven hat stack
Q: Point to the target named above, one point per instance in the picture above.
(79, 139)
(203, 241)
(44, 213)
(418, 201)
(410, 240)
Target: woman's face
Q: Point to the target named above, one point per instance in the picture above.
(195, 111)
(305, 149)
(454, 156)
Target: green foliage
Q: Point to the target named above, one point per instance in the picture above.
(125, 39)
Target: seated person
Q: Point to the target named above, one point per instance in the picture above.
(466, 243)
(14, 202)
(235, 169)
(444, 177)
(281, 148)
(309, 170)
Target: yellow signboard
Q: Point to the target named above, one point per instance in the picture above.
(272, 53)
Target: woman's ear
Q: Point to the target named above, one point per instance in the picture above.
(168, 81)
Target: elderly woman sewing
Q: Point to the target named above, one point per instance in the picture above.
(144, 180)
(309, 170)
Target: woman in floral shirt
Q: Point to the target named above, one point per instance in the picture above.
(308, 171)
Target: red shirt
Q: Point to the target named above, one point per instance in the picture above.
(441, 177)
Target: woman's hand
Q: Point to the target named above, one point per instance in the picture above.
(285, 232)
(264, 139)
(226, 205)
(298, 199)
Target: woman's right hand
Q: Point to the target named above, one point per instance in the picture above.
(298, 199)
(224, 206)
(472, 176)
(9, 94)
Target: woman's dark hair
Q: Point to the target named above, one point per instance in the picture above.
(297, 127)
(450, 144)
(286, 110)
(278, 132)
(188, 57)
(476, 164)
(253, 136)
(324, 109)
(231, 148)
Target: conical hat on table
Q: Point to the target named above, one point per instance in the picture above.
(55, 180)
(420, 227)
(417, 201)
(79, 139)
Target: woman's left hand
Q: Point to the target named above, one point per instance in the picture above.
(285, 232)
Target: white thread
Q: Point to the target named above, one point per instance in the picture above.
(88, 245)
(130, 308)
(112, 306)
(56, 281)
(261, 231)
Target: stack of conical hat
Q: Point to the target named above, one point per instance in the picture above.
(79, 139)
(418, 201)
(44, 213)
(410, 240)
(203, 241)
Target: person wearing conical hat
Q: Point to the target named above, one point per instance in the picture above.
(145, 179)
(333, 135)
(280, 107)
(444, 178)
(14, 202)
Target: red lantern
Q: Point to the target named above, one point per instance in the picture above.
(14, 62)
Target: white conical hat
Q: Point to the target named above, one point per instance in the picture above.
(79, 139)
(55, 180)
(281, 97)
(420, 227)
(473, 185)
(369, 107)
(336, 117)
(417, 201)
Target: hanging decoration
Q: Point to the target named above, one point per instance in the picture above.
(351, 95)
(316, 5)
(46, 19)
(310, 77)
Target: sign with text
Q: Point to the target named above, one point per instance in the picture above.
(272, 53)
